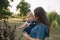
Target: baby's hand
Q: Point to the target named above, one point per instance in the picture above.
(17, 29)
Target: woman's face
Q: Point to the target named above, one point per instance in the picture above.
(36, 18)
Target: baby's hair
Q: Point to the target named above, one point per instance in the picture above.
(30, 14)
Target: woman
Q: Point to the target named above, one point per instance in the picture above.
(41, 29)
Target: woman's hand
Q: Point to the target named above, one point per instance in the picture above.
(28, 36)
(25, 35)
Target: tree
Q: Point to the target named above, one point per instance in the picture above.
(58, 19)
(4, 12)
(12, 0)
(4, 4)
(52, 16)
(53, 19)
(24, 7)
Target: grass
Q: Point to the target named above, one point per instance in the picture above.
(54, 33)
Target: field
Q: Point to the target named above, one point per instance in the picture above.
(54, 32)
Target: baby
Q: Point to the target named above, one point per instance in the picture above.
(29, 24)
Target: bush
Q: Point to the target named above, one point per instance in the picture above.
(6, 33)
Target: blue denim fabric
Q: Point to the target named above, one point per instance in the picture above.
(39, 31)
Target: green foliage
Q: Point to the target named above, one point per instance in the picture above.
(24, 7)
(4, 12)
(4, 4)
(58, 19)
(54, 24)
(52, 16)
(12, 0)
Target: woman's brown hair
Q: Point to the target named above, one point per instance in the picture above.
(41, 14)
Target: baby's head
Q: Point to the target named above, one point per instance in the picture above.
(30, 16)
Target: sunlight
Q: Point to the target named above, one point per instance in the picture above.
(48, 5)
(14, 5)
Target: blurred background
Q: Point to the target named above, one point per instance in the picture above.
(14, 14)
